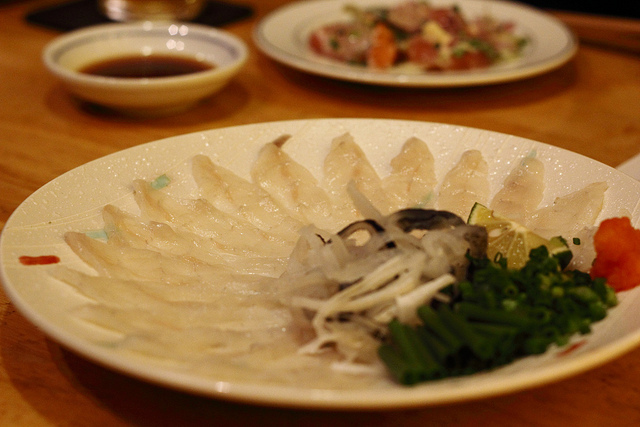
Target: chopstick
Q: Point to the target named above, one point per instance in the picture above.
(614, 32)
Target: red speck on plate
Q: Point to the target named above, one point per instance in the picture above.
(39, 260)
(573, 347)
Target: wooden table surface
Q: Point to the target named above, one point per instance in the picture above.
(591, 106)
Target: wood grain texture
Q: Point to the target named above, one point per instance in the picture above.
(589, 106)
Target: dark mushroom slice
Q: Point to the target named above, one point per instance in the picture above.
(424, 219)
(369, 225)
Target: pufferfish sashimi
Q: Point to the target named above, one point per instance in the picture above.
(125, 229)
(346, 163)
(177, 314)
(570, 213)
(146, 333)
(293, 186)
(234, 195)
(130, 263)
(412, 180)
(521, 192)
(232, 233)
(465, 184)
(127, 293)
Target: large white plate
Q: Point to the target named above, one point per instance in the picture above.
(74, 201)
(283, 36)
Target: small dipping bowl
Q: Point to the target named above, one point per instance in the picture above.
(68, 55)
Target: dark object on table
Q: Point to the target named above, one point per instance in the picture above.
(617, 8)
(82, 13)
(611, 24)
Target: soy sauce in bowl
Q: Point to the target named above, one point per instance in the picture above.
(193, 63)
(139, 66)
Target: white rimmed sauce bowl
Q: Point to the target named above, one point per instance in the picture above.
(68, 55)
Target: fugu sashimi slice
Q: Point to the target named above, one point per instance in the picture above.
(293, 186)
(225, 314)
(412, 179)
(100, 289)
(188, 345)
(133, 293)
(465, 184)
(345, 163)
(570, 213)
(125, 229)
(195, 345)
(521, 191)
(143, 264)
(198, 216)
(583, 250)
(232, 194)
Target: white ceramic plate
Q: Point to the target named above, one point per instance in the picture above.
(74, 201)
(283, 35)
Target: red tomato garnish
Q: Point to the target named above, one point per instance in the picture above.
(421, 51)
(469, 60)
(383, 51)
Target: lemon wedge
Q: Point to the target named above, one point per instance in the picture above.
(514, 241)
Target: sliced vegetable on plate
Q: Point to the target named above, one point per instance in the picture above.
(513, 240)
(503, 310)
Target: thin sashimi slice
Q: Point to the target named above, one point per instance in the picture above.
(232, 194)
(226, 312)
(583, 249)
(412, 179)
(521, 192)
(243, 316)
(233, 234)
(570, 213)
(130, 292)
(128, 230)
(293, 186)
(465, 184)
(345, 163)
(144, 264)
(207, 348)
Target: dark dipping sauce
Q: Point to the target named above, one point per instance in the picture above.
(147, 66)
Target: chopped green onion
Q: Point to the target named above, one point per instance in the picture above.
(461, 328)
(498, 315)
(433, 323)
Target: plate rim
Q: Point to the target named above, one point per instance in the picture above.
(340, 71)
(286, 396)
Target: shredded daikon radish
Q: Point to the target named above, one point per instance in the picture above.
(408, 303)
(352, 283)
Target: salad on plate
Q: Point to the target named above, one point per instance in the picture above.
(419, 35)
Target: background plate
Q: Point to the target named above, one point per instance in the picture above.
(283, 36)
(74, 200)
